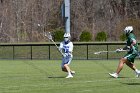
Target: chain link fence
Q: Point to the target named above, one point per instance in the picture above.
(81, 51)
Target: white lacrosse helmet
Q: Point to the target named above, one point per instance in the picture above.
(128, 29)
(67, 37)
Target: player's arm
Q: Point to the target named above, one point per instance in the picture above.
(71, 49)
(61, 49)
(126, 47)
(133, 44)
(122, 49)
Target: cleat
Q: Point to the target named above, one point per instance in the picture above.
(69, 76)
(137, 74)
(114, 75)
(72, 72)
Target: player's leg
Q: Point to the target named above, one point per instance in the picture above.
(130, 64)
(65, 66)
(119, 68)
(65, 61)
(120, 65)
(69, 61)
(68, 70)
(129, 60)
(65, 70)
(62, 65)
(133, 67)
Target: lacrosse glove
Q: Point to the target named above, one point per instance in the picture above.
(65, 55)
(119, 50)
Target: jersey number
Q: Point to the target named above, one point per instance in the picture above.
(66, 49)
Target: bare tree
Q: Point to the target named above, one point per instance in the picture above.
(26, 20)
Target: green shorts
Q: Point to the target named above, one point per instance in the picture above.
(130, 57)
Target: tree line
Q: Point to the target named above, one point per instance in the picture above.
(27, 20)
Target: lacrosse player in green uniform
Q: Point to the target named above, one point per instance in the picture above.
(128, 59)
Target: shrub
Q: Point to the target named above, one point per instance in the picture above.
(118, 31)
(101, 36)
(86, 36)
(123, 37)
(58, 34)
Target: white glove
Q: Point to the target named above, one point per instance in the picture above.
(119, 50)
(65, 54)
(128, 47)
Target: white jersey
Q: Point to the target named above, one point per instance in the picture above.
(67, 48)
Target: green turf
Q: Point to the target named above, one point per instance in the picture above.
(43, 76)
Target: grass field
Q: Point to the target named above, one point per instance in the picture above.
(43, 76)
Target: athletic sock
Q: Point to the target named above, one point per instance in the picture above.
(136, 70)
(117, 74)
(69, 73)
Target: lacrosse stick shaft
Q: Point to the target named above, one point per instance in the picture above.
(50, 38)
(57, 47)
(109, 51)
(54, 43)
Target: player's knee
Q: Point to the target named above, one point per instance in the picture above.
(65, 65)
(123, 60)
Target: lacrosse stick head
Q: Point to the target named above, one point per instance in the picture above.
(48, 35)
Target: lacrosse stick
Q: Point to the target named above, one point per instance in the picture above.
(49, 36)
(100, 52)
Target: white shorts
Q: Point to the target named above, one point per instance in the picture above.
(66, 60)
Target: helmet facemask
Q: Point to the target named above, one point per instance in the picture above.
(67, 37)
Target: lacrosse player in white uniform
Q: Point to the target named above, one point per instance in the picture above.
(66, 47)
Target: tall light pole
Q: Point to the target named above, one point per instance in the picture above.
(66, 15)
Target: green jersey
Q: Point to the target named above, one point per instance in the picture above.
(130, 40)
(130, 56)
